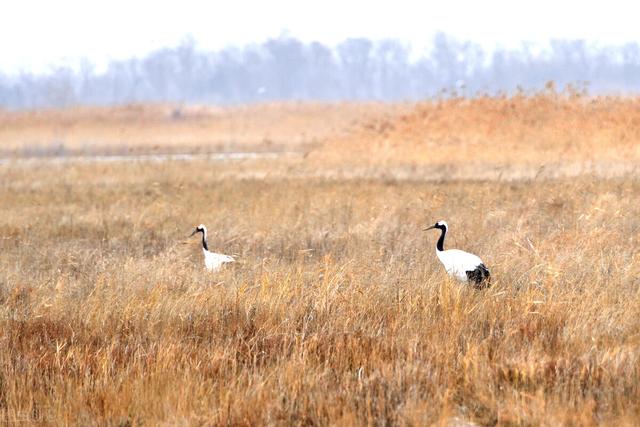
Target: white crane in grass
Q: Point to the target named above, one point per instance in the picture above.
(461, 265)
(212, 260)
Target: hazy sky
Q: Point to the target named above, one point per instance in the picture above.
(35, 35)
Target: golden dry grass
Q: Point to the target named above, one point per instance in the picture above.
(337, 311)
(547, 128)
(175, 128)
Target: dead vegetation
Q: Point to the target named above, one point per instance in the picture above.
(179, 128)
(547, 128)
(337, 312)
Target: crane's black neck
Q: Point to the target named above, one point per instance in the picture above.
(204, 241)
(440, 244)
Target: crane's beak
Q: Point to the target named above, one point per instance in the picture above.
(194, 232)
(428, 228)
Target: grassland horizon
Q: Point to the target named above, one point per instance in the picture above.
(337, 311)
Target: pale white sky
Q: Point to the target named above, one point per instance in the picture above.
(35, 35)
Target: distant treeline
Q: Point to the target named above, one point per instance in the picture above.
(357, 69)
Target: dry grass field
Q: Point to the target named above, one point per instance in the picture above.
(337, 311)
(179, 128)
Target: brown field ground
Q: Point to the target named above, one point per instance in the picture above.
(337, 310)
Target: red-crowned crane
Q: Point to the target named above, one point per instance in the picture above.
(461, 265)
(212, 260)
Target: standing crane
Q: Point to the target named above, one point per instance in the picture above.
(212, 260)
(461, 265)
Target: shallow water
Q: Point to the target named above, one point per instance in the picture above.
(150, 157)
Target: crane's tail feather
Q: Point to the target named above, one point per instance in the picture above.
(480, 277)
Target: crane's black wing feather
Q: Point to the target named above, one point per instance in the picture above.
(480, 277)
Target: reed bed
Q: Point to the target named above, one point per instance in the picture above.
(337, 311)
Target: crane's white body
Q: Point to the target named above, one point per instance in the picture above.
(462, 266)
(457, 263)
(212, 261)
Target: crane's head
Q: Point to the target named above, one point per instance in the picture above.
(199, 229)
(440, 225)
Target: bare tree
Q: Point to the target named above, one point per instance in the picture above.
(285, 68)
